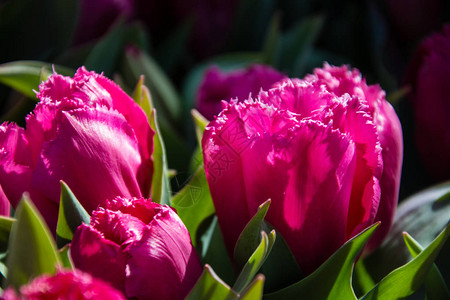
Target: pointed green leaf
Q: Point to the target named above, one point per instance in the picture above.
(65, 257)
(423, 215)
(32, 250)
(435, 285)
(210, 286)
(164, 94)
(362, 280)
(250, 237)
(407, 279)
(200, 123)
(160, 181)
(332, 280)
(71, 215)
(254, 290)
(193, 203)
(106, 52)
(160, 188)
(5, 230)
(212, 250)
(25, 76)
(280, 268)
(255, 261)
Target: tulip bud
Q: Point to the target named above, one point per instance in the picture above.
(217, 86)
(429, 75)
(65, 285)
(86, 131)
(315, 148)
(140, 247)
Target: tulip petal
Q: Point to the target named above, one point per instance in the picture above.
(104, 158)
(15, 162)
(309, 202)
(98, 256)
(163, 264)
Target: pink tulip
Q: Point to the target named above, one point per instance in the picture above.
(65, 285)
(217, 86)
(86, 131)
(140, 247)
(429, 78)
(315, 148)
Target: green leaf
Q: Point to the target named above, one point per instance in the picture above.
(255, 261)
(106, 52)
(250, 237)
(362, 280)
(332, 280)
(193, 203)
(296, 45)
(423, 215)
(5, 231)
(32, 250)
(254, 289)
(212, 250)
(160, 189)
(71, 215)
(65, 257)
(200, 123)
(210, 286)
(435, 285)
(407, 279)
(280, 268)
(164, 95)
(271, 45)
(25, 76)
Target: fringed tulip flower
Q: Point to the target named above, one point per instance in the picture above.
(429, 78)
(316, 148)
(65, 285)
(85, 131)
(218, 85)
(140, 247)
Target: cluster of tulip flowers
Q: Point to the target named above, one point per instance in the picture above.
(302, 180)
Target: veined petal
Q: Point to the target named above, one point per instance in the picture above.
(104, 158)
(163, 264)
(98, 256)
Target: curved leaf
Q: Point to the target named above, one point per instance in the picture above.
(193, 203)
(407, 279)
(250, 237)
(332, 280)
(435, 285)
(255, 261)
(32, 250)
(210, 286)
(71, 215)
(25, 76)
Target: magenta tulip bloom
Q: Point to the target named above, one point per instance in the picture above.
(140, 247)
(85, 131)
(429, 79)
(217, 86)
(65, 285)
(315, 148)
